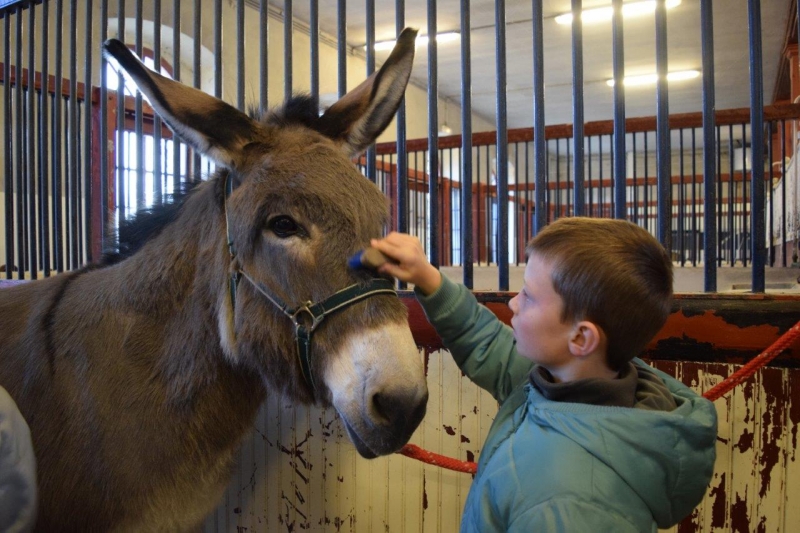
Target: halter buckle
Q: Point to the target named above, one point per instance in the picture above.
(305, 308)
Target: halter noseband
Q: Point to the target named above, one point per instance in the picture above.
(316, 311)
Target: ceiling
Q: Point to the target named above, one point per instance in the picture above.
(731, 54)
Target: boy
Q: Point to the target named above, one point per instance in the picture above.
(588, 438)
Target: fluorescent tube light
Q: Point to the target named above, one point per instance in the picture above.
(603, 14)
(651, 79)
(422, 40)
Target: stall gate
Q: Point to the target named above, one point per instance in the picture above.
(82, 151)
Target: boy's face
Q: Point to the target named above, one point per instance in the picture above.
(540, 334)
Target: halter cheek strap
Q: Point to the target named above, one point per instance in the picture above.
(316, 312)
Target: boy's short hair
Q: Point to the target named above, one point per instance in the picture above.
(612, 273)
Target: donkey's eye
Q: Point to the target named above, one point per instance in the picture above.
(283, 226)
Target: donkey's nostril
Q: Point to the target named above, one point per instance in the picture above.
(382, 408)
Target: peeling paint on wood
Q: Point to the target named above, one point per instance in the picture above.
(298, 471)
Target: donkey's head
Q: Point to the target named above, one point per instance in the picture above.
(295, 209)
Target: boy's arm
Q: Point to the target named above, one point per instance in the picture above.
(482, 346)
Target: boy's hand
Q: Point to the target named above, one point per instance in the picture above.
(409, 261)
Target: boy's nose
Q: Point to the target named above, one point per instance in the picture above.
(512, 303)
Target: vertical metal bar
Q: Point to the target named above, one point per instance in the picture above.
(681, 203)
(21, 245)
(743, 224)
(731, 196)
(539, 146)
(784, 250)
(158, 188)
(288, 26)
(30, 123)
(198, 67)
(694, 197)
(663, 151)
(646, 182)
(263, 36)
(757, 142)
(620, 170)
(313, 31)
(401, 201)
(433, 134)
(88, 193)
(557, 213)
(502, 144)
(370, 15)
(467, 251)
(217, 32)
(771, 199)
(176, 74)
(103, 192)
(567, 182)
(589, 178)
(140, 181)
(719, 199)
(57, 167)
(240, 65)
(44, 193)
(74, 181)
(341, 39)
(8, 144)
(635, 184)
(577, 107)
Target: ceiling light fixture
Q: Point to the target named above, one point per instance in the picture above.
(604, 14)
(651, 79)
(422, 40)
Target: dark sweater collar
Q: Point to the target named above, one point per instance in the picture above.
(635, 386)
(618, 392)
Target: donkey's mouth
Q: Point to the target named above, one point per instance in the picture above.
(361, 447)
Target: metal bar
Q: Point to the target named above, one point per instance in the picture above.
(757, 142)
(240, 57)
(313, 31)
(59, 255)
(620, 170)
(176, 74)
(30, 126)
(663, 151)
(217, 33)
(467, 250)
(577, 108)
(139, 121)
(771, 199)
(158, 187)
(197, 62)
(88, 192)
(341, 42)
(433, 134)
(370, 15)
(694, 197)
(21, 262)
(742, 248)
(8, 145)
(635, 184)
(401, 201)
(784, 250)
(288, 21)
(731, 196)
(74, 181)
(44, 193)
(681, 203)
(646, 182)
(719, 199)
(539, 143)
(263, 36)
(103, 192)
(589, 178)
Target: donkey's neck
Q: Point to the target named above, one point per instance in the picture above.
(177, 285)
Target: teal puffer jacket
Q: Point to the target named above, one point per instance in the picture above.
(571, 467)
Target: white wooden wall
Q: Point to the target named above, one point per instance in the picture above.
(299, 472)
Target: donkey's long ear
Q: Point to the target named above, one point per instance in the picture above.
(208, 124)
(361, 115)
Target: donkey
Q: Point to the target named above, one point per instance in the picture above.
(139, 377)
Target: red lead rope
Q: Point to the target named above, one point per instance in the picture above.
(715, 392)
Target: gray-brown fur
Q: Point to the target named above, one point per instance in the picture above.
(136, 391)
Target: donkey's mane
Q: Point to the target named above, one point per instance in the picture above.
(145, 225)
(302, 109)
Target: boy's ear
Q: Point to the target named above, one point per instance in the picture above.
(586, 337)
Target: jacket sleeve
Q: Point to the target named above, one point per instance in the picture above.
(18, 493)
(482, 346)
(568, 516)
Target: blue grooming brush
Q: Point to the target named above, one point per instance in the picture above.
(367, 258)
